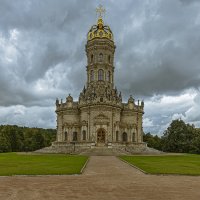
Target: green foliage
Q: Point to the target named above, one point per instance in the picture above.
(181, 137)
(186, 164)
(48, 164)
(153, 141)
(14, 138)
(5, 145)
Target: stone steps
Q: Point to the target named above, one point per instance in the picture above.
(100, 150)
(103, 151)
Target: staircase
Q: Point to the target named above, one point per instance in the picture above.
(103, 151)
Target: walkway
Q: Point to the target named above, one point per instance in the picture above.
(105, 177)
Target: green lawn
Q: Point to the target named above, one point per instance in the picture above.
(185, 164)
(57, 164)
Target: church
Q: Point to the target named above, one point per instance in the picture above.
(99, 117)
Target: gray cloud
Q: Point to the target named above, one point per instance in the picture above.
(161, 50)
(43, 56)
(31, 117)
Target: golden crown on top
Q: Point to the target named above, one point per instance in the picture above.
(100, 30)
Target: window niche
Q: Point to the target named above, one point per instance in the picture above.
(100, 57)
(92, 75)
(109, 59)
(84, 135)
(91, 58)
(101, 75)
(75, 136)
(133, 139)
(108, 76)
(117, 136)
(65, 135)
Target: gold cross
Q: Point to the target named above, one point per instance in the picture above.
(100, 10)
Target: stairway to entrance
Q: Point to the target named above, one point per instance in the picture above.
(103, 151)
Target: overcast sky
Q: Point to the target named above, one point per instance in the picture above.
(42, 57)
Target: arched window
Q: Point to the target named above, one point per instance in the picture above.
(100, 57)
(133, 139)
(100, 75)
(91, 75)
(84, 135)
(124, 137)
(65, 135)
(109, 59)
(108, 76)
(91, 58)
(117, 136)
(75, 136)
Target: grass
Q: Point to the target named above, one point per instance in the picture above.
(47, 164)
(185, 164)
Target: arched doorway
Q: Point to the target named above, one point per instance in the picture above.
(101, 136)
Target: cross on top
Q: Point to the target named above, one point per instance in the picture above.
(100, 10)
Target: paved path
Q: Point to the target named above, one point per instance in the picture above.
(105, 177)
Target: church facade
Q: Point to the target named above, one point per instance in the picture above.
(99, 117)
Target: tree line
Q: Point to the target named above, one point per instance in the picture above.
(179, 138)
(14, 138)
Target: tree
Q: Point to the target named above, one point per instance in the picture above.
(14, 138)
(37, 140)
(180, 137)
(5, 145)
(153, 141)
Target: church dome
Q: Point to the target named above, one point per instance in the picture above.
(100, 31)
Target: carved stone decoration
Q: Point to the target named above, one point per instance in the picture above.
(101, 119)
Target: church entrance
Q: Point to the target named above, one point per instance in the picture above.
(101, 136)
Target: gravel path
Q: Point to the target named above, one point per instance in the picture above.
(105, 177)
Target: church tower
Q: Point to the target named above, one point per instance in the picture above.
(99, 118)
(100, 51)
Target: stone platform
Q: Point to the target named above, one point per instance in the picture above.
(92, 149)
(104, 151)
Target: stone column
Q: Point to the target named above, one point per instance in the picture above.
(60, 128)
(88, 128)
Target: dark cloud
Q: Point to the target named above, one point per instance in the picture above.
(42, 48)
(161, 50)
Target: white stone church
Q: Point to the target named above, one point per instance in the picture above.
(99, 117)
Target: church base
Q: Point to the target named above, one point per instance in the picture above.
(90, 148)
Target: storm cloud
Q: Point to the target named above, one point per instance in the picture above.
(42, 48)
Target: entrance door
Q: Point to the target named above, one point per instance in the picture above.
(101, 136)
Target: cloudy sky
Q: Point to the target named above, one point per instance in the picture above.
(42, 57)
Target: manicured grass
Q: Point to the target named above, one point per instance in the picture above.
(47, 164)
(185, 164)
